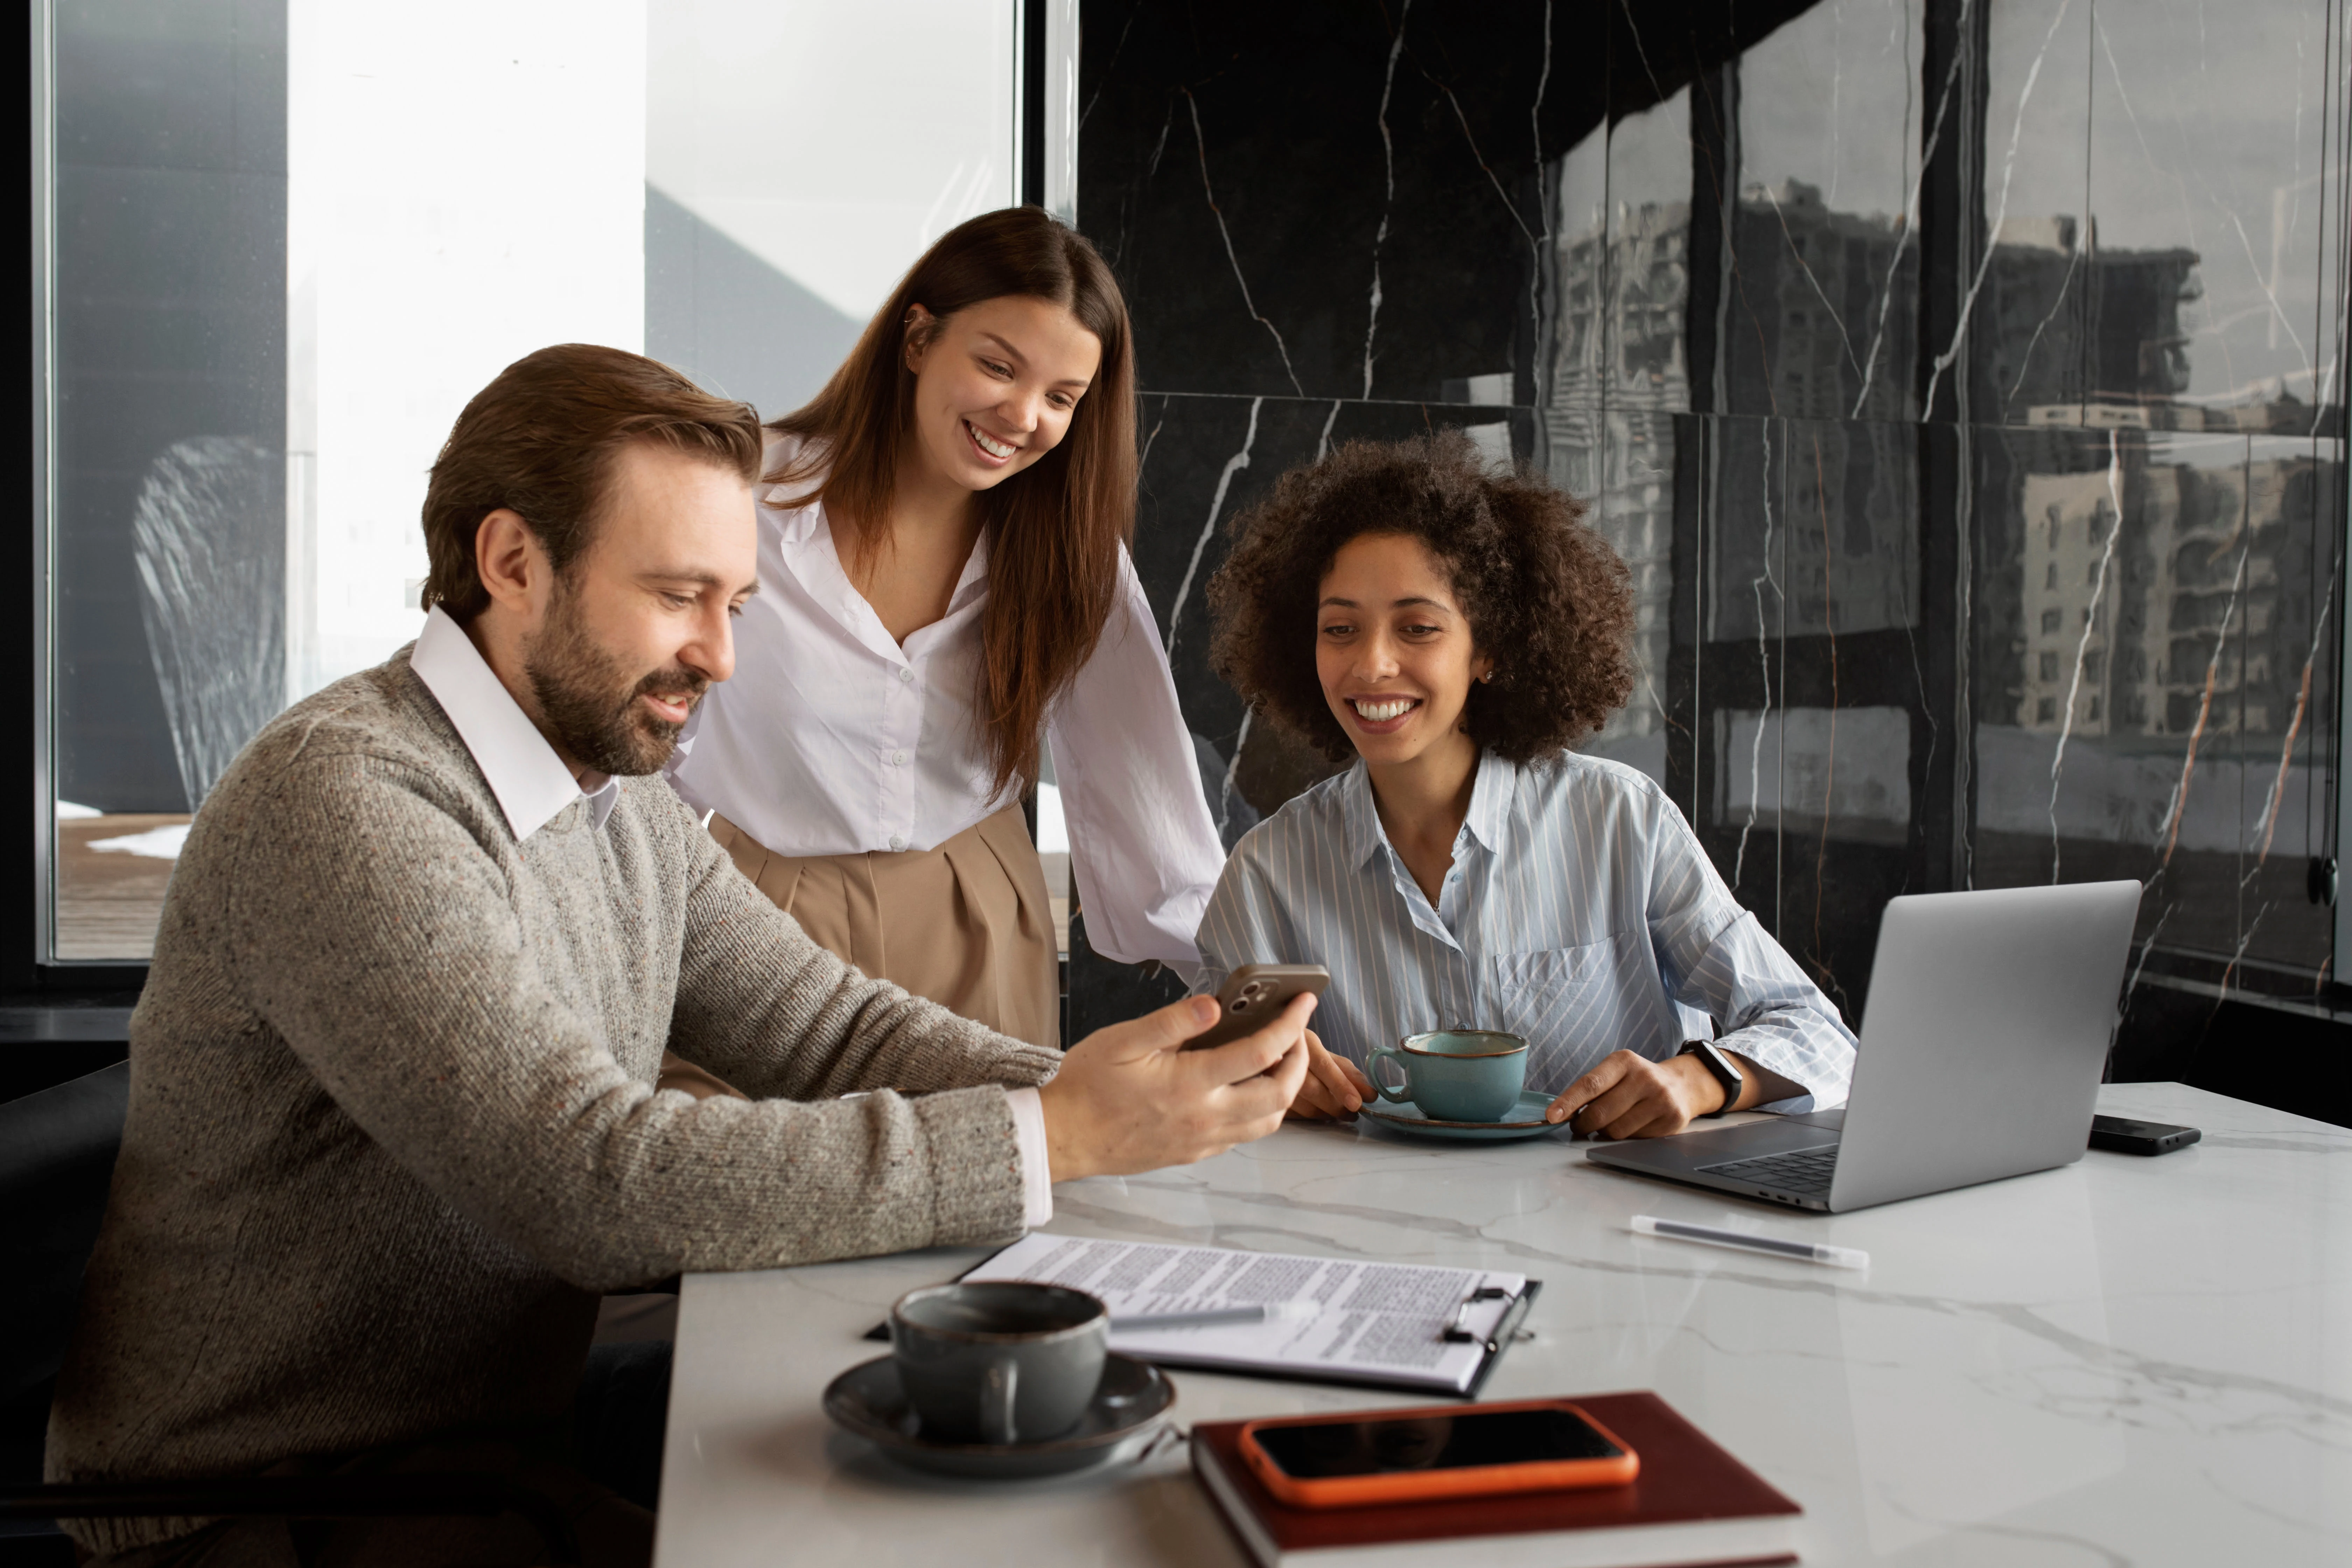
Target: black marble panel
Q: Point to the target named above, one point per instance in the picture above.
(1207, 460)
(1322, 199)
(1822, 308)
(1816, 732)
(1875, 332)
(1624, 465)
(1642, 277)
(2217, 293)
(1737, 697)
(2023, 291)
(1339, 199)
(2287, 697)
(2146, 622)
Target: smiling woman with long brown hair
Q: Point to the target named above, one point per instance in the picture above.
(944, 584)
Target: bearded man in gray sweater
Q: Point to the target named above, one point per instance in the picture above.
(394, 1124)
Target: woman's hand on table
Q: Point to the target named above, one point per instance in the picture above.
(1334, 1087)
(1130, 1099)
(1627, 1095)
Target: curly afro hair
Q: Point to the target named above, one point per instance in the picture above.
(1545, 595)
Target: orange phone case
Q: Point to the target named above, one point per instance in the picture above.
(1421, 1485)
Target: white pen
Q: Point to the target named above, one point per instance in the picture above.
(1809, 1251)
(1276, 1311)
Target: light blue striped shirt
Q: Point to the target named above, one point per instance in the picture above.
(1581, 914)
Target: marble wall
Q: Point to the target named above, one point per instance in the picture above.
(1962, 381)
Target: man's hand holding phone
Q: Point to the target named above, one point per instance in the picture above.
(1132, 1098)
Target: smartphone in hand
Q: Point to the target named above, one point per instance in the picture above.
(1254, 992)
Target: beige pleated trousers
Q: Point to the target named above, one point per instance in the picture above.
(967, 924)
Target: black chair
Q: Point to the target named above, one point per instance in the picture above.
(56, 1157)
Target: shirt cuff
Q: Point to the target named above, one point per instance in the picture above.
(1028, 1109)
(1772, 1055)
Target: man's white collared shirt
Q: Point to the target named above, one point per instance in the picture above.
(530, 781)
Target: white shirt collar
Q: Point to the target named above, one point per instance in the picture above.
(530, 781)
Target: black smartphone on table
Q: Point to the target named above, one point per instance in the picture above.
(2125, 1136)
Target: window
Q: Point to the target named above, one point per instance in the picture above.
(2125, 368)
(290, 242)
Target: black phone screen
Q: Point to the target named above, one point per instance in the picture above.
(1471, 1439)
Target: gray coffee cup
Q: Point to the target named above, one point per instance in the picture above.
(1002, 1361)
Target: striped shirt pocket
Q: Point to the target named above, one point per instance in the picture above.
(1575, 1005)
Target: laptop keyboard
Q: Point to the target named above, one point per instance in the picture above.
(1805, 1171)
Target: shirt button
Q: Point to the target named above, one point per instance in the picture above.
(906, 675)
(897, 759)
(897, 841)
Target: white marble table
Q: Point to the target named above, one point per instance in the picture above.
(2128, 1361)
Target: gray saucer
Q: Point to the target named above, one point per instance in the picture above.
(867, 1400)
(1526, 1120)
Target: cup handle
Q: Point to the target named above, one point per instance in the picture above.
(1372, 1070)
(997, 1393)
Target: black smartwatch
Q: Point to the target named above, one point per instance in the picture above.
(1716, 1062)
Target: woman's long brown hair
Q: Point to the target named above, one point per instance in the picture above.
(1054, 530)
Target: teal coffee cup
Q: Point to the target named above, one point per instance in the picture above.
(1456, 1075)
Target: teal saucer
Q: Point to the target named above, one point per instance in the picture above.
(1526, 1120)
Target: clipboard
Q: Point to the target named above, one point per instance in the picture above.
(1210, 1356)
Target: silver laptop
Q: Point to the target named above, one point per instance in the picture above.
(1982, 1047)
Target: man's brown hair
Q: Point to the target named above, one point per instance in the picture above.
(540, 439)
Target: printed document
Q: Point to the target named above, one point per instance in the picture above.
(1381, 1323)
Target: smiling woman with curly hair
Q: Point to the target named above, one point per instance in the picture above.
(1455, 629)
(1528, 572)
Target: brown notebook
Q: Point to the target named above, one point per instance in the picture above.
(1692, 1505)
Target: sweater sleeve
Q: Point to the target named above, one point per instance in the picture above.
(378, 935)
(775, 1015)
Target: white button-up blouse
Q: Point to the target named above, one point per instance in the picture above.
(833, 739)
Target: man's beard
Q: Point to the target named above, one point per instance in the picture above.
(588, 699)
